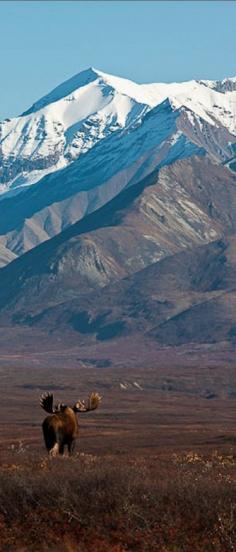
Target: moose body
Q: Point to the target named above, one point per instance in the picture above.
(61, 428)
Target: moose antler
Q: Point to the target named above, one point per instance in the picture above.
(93, 401)
(46, 402)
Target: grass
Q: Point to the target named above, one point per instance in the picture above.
(173, 503)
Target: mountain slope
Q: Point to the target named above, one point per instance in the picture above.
(91, 137)
(116, 162)
(189, 297)
(177, 209)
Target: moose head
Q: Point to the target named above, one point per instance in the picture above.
(61, 428)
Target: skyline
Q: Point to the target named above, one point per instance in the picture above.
(45, 43)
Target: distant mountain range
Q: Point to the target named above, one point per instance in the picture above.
(118, 211)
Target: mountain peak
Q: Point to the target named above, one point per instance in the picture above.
(128, 87)
(67, 87)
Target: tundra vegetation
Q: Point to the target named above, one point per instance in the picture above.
(154, 469)
(175, 503)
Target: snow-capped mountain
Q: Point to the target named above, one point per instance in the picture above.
(96, 134)
(80, 112)
(132, 189)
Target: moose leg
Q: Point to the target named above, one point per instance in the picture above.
(54, 450)
(61, 449)
(50, 439)
(71, 447)
(57, 447)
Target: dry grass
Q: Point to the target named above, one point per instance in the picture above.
(89, 503)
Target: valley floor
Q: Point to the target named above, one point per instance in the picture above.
(155, 465)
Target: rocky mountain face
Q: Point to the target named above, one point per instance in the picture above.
(119, 201)
(95, 135)
(188, 297)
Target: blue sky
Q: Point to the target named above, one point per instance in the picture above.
(43, 43)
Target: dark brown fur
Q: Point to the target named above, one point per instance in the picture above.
(59, 430)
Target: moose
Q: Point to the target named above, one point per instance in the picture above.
(61, 428)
